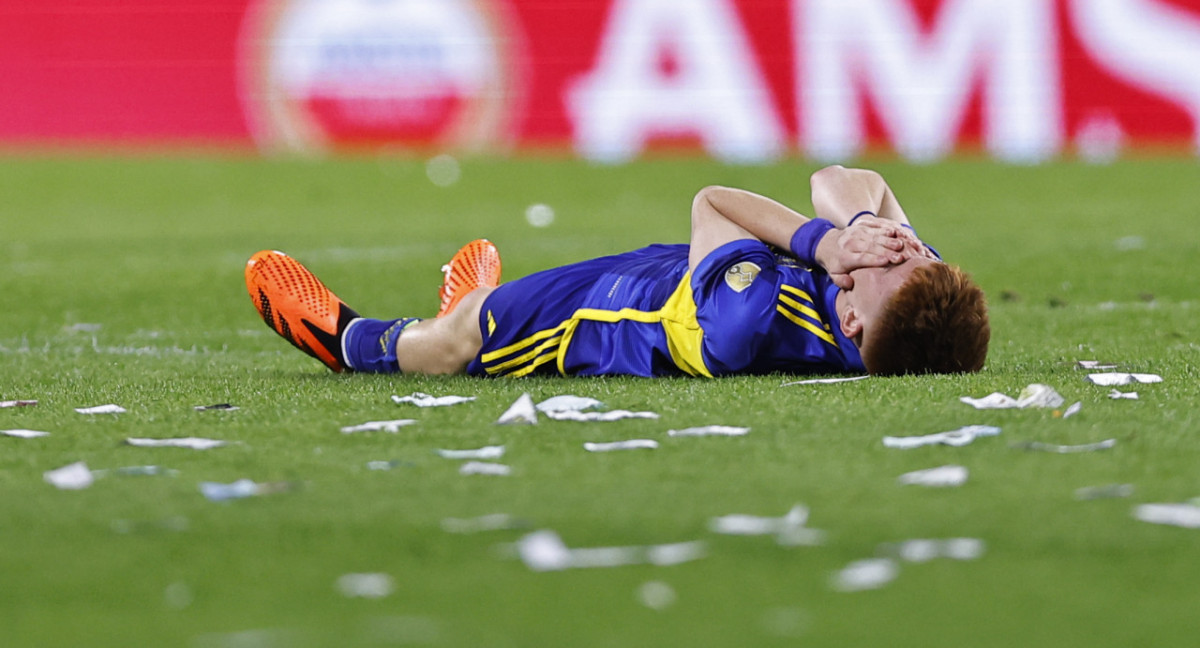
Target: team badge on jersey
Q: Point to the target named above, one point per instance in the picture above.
(739, 276)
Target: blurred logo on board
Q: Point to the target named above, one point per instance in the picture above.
(320, 75)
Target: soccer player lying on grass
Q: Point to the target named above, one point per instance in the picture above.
(759, 289)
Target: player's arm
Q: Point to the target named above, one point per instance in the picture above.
(845, 196)
(722, 214)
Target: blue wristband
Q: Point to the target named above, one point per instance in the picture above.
(927, 246)
(805, 240)
(860, 215)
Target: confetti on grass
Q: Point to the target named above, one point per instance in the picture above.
(522, 411)
(24, 434)
(17, 403)
(1094, 365)
(194, 443)
(378, 426)
(425, 400)
(492, 522)
(921, 550)
(568, 403)
(789, 530)
(485, 468)
(1065, 449)
(1180, 515)
(240, 489)
(486, 452)
(867, 574)
(710, 430)
(370, 586)
(940, 477)
(217, 407)
(824, 381)
(1107, 491)
(960, 437)
(545, 551)
(632, 444)
(1035, 395)
(74, 476)
(614, 415)
(1117, 394)
(101, 409)
(1116, 379)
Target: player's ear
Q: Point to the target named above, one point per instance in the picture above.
(850, 322)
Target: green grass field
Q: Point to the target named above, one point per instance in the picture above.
(122, 283)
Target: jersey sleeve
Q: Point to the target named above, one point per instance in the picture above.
(735, 289)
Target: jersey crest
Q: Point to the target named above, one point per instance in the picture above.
(739, 276)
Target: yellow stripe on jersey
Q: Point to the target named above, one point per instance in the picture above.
(677, 317)
(797, 292)
(807, 325)
(802, 309)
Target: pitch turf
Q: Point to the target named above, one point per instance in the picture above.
(121, 283)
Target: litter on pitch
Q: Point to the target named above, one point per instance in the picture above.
(1180, 515)
(379, 426)
(656, 595)
(919, 550)
(710, 430)
(1073, 409)
(102, 409)
(940, 477)
(545, 551)
(1107, 491)
(867, 574)
(371, 585)
(614, 415)
(1034, 395)
(193, 443)
(789, 529)
(522, 411)
(1117, 394)
(425, 400)
(24, 434)
(17, 403)
(485, 468)
(74, 476)
(1094, 365)
(240, 489)
(568, 403)
(486, 452)
(1065, 449)
(137, 471)
(824, 381)
(960, 437)
(632, 444)
(225, 407)
(1116, 379)
(491, 522)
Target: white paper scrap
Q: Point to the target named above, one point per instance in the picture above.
(923, 550)
(632, 444)
(1034, 395)
(486, 452)
(24, 434)
(101, 409)
(544, 550)
(613, 415)
(136, 471)
(425, 400)
(225, 407)
(710, 430)
(740, 524)
(484, 468)
(1115, 379)
(521, 411)
(1117, 394)
(868, 574)
(1066, 449)
(371, 586)
(1094, 365)
(74, 476)
(1073, 409)
(824, 381)
(218, 492)
(1107, 491)
(1180, 515)
(378, 426)
(656, 595)
(940, 477)
(17, 403)
(960, 437)
(566, 403)
(492, 522)
(194, 443)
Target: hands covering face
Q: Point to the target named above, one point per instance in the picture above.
(868, 243)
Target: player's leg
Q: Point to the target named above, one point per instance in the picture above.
(444, 345)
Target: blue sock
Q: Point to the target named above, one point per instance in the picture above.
(370, 344)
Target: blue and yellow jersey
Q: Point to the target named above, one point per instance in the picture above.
(744, 310)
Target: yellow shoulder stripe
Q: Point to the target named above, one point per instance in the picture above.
(801, 308)
(797, 292)
(807, 325)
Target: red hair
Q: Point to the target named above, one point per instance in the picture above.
(937, 322)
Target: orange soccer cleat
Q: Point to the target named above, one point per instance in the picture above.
(297, 306)
(476, 265)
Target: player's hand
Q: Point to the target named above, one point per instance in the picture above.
(872, 243)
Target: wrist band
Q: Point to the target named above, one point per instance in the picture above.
(860, 215)
(805, 240)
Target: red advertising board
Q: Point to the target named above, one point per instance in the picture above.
(744, 80)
